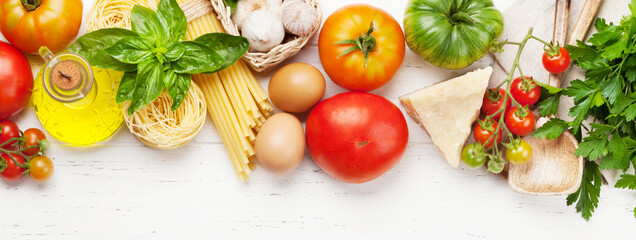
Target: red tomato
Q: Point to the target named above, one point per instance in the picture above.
(16, 81)
(356, 137)
(32, 139)
(8, 130)
(520, 125)
(31, 24)
(493, 101)
(558, 63)
(385, 51)
(525, 91)
(12, 172)
(483, 133)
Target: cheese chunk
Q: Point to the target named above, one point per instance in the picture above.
(448, 109)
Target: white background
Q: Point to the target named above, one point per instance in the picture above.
(124, 190)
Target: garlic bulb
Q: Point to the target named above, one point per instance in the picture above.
(263, 29)
(298, 17)
(245, 7)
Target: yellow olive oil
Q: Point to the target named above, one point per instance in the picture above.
(91, 119)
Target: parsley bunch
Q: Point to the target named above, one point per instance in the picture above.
(608, 95)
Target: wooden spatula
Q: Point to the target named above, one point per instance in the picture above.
(554, 169)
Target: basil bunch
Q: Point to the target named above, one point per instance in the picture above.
(154, 56)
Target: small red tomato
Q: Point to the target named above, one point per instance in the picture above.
(520, 121)
(483, 132)
(558, 62)
(12, 171)
(525, 91)
(493, 101)
(32, 139)
(8, 130)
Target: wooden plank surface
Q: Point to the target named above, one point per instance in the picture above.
(124, 190)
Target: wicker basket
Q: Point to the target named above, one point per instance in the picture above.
(263, 61)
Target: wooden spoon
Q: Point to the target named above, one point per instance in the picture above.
(554, 169)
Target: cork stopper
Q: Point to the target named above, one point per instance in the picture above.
(66, 75)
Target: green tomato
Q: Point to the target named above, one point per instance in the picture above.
(519, 154)
(451, 34)
(473, 156)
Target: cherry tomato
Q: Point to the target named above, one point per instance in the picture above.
(525, 91)
(356, 137)
(520, 125)
(11, 172)
(473, 156)
(32, 139)
(493, 101)
(385, 47)
(558, 63)
(483, 133)
(8, 130)
(520, 154)
(40, 168)
(30, 24)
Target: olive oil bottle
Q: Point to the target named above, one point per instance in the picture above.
(74, 101)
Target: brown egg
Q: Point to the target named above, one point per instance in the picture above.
(280, 144)
(296, 87)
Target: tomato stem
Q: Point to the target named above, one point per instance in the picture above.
(459, 17)
(365, 42)
(31, 5)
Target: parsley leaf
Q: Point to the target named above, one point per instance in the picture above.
(551, 129)
(626, 181)
(588, 193)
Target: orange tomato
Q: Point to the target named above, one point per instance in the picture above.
(30, 24)
(385, 50)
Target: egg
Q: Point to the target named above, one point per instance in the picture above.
(296, 87)
(280, 144)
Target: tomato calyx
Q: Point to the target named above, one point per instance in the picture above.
(522, 112)
(456, 16)
(487, 124)
(552, 50)
(31, 5)
(527, 83)
(365, 43)
(493, 95)
(496, 163)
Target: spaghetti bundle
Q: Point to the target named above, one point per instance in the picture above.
(156, 125)
(236, 101)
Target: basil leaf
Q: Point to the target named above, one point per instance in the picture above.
(126, 87)
(131, 50)
(232, 4)
(230, 47)
(177, 86)
(148, 84)
(198, 59)
(175, 51)
(171, 16)
(145, 22)
(92, 45)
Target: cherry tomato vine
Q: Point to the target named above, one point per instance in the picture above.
(22, 153)
(508, 110)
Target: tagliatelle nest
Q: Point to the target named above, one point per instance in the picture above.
(157, 126)
(114, 13)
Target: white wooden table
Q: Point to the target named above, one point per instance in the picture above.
(124, 190)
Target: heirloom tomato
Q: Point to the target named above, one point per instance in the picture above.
(30, 24)
(358, 26)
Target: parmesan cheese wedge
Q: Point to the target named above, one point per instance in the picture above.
(448, 109)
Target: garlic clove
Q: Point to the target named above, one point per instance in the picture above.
(264, 30)
(245, 7)
(298, 17)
